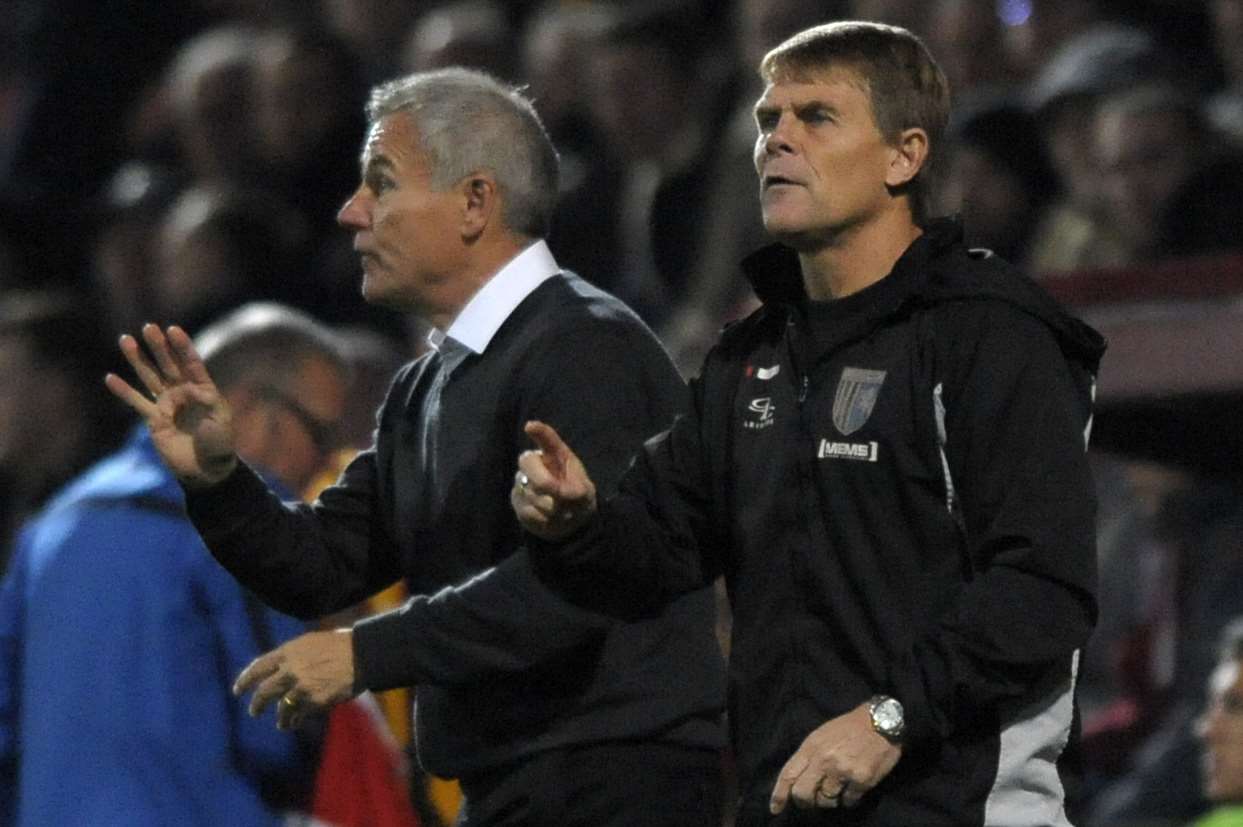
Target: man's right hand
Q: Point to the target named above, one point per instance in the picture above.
(189, 419)
(552, 496)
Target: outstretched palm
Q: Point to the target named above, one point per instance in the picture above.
(189, 419)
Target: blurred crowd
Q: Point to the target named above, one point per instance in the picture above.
(171, 161)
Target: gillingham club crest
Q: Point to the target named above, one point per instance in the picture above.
(856, 397)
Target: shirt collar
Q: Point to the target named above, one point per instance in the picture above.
(488, 309)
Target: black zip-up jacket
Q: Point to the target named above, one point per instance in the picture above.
(504, 667)
(895, 486)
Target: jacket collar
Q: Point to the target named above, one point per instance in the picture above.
(777, 277)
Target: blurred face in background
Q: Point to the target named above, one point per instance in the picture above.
(995, 205)
(1221, 732)
(639, 99)
(1144, 157)
(300, 102)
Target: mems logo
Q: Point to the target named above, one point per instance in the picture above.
(866, 451)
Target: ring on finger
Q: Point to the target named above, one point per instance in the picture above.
(523, 481)
(289, 702)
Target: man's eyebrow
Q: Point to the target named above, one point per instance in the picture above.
(378, 161)
(813, 105)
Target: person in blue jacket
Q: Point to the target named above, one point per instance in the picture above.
(120, 636)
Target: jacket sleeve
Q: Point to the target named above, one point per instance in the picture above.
(506, 618)
(660, 536)
(502, 620)
(1016, 414)
(306, 561)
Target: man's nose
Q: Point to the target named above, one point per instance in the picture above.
(778, 139)
(354, 214)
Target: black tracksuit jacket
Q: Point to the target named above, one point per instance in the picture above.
(895, 486)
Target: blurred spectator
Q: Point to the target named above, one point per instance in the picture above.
(651, 110)
(82, 65)
(557, 48)
(126, 218)
(218, 248)
(1048, 26)
(997, 174)
(308, 120)
(731, 227)
(375, 30)
(1189, 564)
(55, 416)
(968, 40)
(374, 360)
(1063, 99)
(1220, 730)
(133, 722)
(1225, 108)
(554, 58)
(472, 33)
(209, 88)
(1149, 140)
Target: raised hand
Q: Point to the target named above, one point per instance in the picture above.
(189, 419)
(552, 496)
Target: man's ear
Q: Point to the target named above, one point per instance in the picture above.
(480, 203)
(909, 155)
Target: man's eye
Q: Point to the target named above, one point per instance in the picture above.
(767, 121)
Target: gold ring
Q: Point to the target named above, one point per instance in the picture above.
(523, 480)
(288, 701)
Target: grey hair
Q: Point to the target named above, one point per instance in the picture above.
(268, 342)
(468, 121)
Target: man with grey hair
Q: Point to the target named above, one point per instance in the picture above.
(120, 637)
(547, 714)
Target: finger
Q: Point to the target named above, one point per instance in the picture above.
(523, 497)
(828, 797)
(528, 514)
(539, 477)
(269, 691)
(555, 453)
(187, 356)
(143, 369)
(158, 345)
(803, 791)
(258, 669)
(122, 390)
(288, 710)
(785, 781)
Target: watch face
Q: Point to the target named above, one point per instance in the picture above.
(888, 716)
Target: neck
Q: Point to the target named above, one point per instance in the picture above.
(486, 257)
(857, 256)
